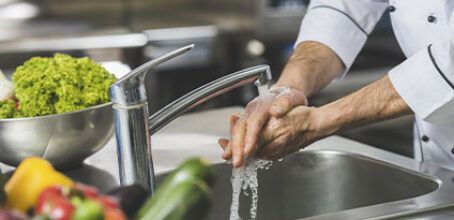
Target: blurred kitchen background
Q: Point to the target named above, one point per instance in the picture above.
(229, 35)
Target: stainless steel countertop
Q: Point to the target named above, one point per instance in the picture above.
(196, 134)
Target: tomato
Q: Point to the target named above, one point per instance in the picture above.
(88, 191)
(53, 203)
(114, 214)
(46, 195)
(112, 210)
(108, 202)
(61, 209)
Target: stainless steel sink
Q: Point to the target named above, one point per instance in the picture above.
(331, 184)
(334, 178)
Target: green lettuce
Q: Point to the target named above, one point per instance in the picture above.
(60, 84)
(7, 109)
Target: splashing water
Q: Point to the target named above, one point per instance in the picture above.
(245, 177)
(263, 91)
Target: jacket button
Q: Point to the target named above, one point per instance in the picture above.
(452, 150)
(391, 8)
(431, 18)
(425, 138)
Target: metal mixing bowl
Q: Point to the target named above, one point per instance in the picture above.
(64, 139)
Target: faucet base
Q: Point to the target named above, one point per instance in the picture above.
(134, 154)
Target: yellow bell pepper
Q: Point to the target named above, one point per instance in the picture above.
(31, 177)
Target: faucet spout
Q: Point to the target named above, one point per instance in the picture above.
(260, 75)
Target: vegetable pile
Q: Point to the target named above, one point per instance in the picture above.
(7, 109)
(78, 202)
(58, 84)
(37, 191)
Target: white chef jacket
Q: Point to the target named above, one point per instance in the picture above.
(425, 81)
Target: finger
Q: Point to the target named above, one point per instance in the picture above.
(285, 102)
(237, 141)
(255, 124)
(251, 106)
(224, 143)
(233, 119)
(274, 128)
(281, 105)
(274, 149)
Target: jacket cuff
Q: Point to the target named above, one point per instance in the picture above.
(424, 87)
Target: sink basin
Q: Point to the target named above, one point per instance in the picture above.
(329, 184)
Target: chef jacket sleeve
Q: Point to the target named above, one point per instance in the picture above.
(425, 80)
(342, 25)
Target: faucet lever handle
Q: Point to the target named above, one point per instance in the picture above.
(260, 75)
(130, 89)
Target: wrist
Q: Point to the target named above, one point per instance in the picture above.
(310, 68)
(326, 120)
(294, 77)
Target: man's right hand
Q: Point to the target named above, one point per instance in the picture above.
(245, 127)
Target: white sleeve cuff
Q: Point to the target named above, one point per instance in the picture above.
(335, 29)
(424, 88)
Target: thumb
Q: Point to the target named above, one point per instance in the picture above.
(224, 143)
(285, 102)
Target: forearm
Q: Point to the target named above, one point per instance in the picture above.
(375, 102)
(310, 68)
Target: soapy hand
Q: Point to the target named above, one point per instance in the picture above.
(245, 127)
(285, 135)
(297, 129)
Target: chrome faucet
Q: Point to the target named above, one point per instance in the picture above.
(133, 126)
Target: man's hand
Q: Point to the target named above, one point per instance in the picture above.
(287, 134)
(304, 125)
(282, 136)
(245, 128)
(310, 68)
